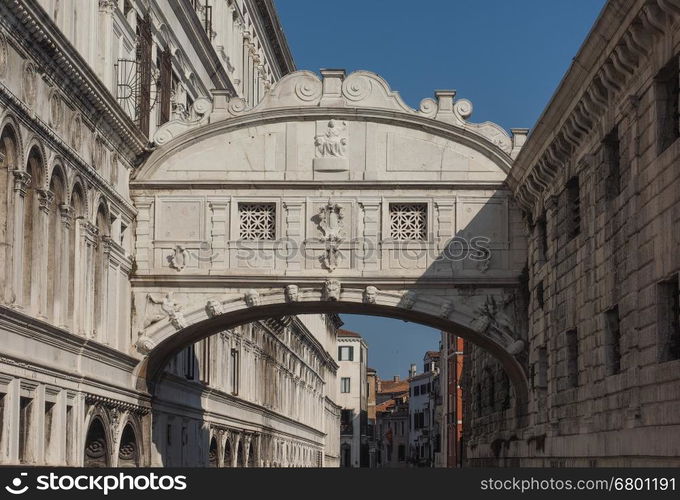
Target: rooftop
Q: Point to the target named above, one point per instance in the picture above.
(346, 333)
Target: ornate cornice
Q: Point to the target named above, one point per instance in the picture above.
(275, 35)
(593, 84)
(110, 403)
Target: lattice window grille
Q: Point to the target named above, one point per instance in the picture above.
(257, 221)
(408, 221)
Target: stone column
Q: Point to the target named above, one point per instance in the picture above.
(245, 87)
(58, 439)
(105, 39)
(40, 250)
(10, 451)
(108, 297)
(61, 317)
(90, 232)
(78, 272)
(21, 181)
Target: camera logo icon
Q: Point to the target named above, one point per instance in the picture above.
(15, 488)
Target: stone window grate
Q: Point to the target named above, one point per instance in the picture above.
(257, 221)
(408, 221)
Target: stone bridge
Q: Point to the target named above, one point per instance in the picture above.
(330, 195)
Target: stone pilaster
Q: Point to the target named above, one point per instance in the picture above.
(294, 231)
(370, 239)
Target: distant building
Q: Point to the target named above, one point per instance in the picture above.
(392, 423)
(424, 407)
(451, 365)
(353, 399)
(372, 389)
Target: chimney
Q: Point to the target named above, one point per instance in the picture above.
(412, 370)
(396, 378)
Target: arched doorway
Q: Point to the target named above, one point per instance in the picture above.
(96, 445)
(240, 458)
(212, 453)
(128, 453)
(228, 454)
(251, 456)
(9, 164)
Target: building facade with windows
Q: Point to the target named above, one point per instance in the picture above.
(424, 405)
(84, 88)
(598, 182)
(353, 399)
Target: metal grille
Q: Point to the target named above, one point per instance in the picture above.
(166, 85)
(408, 221)
(257, 221)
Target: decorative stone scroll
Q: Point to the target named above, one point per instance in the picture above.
(198, 115)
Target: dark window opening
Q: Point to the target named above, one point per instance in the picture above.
(542, 236)
(612, 158)
(669, 319)
(572, 358)
(574, 207)
(613, 341)
(540, 294)
(667, 95)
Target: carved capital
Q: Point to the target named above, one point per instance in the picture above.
(21, 181)
(66, 212)
(107, 6)
(90, 231)
(45, 199)
(107, 243)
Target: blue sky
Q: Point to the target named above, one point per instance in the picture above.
(507, 57)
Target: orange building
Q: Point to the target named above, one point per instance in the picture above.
(453, 348)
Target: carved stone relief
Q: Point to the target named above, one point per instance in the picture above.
(29, 84)
(331, 147)
(331, 290)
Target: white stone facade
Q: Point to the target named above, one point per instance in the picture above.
(352, 398)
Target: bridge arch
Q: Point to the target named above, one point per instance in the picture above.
(483, 324)
(329, 196)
